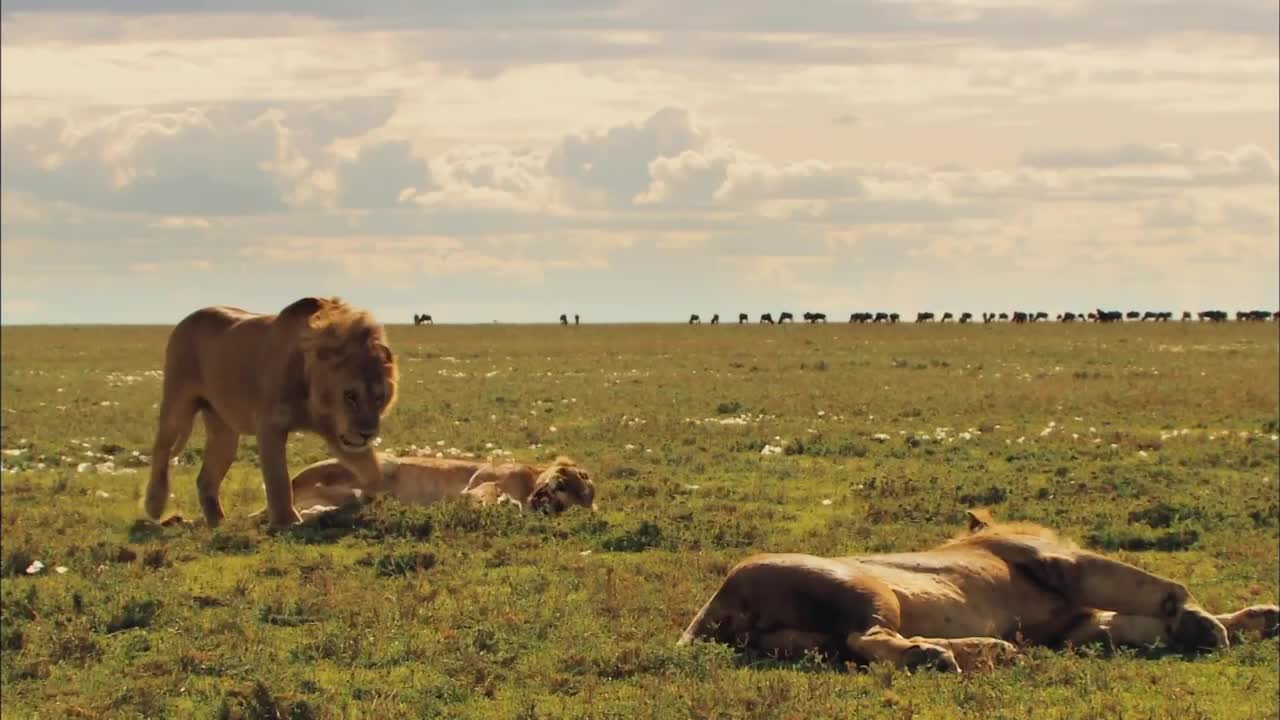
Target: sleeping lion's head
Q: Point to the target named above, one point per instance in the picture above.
(562, 485)
(351, 373)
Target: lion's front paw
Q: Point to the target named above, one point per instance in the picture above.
(929, 657)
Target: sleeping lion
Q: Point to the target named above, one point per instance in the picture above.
(959, 606)
(552, 488)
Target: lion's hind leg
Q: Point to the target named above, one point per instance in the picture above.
(176, 418)
(880, 644)
(976, 653)
(794, 644)
(219, 452)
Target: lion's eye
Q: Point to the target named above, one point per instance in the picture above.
(350, 397)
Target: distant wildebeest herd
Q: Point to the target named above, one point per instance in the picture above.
(1018, 316)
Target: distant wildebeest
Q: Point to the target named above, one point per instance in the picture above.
(575, 318)
(766, 318)
(1132, 315)
(1040, 316)
(861, 317)
(966, 317)
(564, 319)
(947, 316)
(785, 316)
(1149, 315)
(1004, 316)
(988, 317)
(1275, 316)
(813, 317)
(924, 317)
(695, 320)
(715, 319)
(881, 317)
(1186, 315)
(1067, 317)
(1255, 316)
(1107, 316)
(1213, 315)
(893, 317)
(420, 319)
(1019, 316)
(1164, 316)
(742, 317)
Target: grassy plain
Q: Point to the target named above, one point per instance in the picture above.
(1156, 443)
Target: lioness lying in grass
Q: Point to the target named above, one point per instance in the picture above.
(552, 488)
(956, 607)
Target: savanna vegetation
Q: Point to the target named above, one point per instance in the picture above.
(1154, 443)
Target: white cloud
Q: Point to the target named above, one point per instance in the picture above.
(865, 153)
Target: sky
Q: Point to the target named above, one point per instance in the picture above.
(637, 160)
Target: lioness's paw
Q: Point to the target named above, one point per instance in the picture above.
(930, 657)
(1262, 620)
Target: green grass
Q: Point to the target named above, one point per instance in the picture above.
(1161, 452)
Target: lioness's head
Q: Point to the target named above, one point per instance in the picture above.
(351, 373)
(562, 485)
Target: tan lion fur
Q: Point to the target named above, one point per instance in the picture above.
(553, 487)
(319, 365)
(960, 605)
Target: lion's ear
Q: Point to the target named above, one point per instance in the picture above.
(979, 518)
(305, 307)
(384, 352)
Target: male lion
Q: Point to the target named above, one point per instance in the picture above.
(424, 480)
(955, 607)
(319, 365)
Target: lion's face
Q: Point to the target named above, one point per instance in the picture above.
(352, 388)
(366, 397)
(562, 486)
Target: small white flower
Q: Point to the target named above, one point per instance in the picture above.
(821, 413)
(102, 494)
(85, 467)
(629, 446)
(826, 502)
(61, 570)
(35, 567)
(552, 429)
